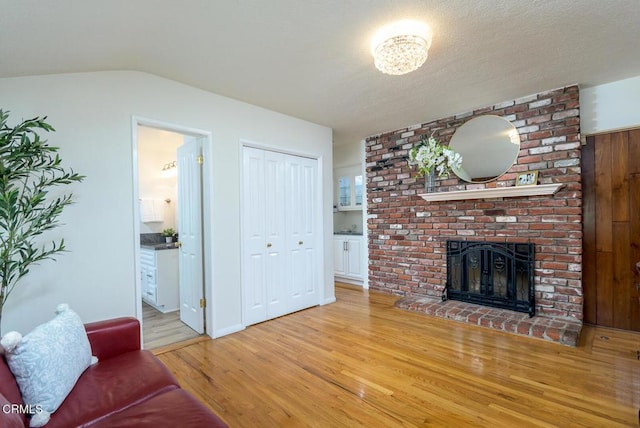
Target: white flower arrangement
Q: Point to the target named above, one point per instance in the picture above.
(429, 155)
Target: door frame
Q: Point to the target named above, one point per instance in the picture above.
(365, 210)
(320, 241)
(207, 200)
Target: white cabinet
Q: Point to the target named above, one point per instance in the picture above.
(349, 187)
(159, 278)
(281, 266)
(339, 260)
(347, 257)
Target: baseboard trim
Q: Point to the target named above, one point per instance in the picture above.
(228, 330)
(348, 280)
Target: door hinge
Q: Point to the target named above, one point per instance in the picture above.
(203, 303)
(200, 159)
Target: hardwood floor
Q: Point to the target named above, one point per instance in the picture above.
(160, 330)
(362, 362)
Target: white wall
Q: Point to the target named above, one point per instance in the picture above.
(610, 107)
(92, 113)
(347, 155)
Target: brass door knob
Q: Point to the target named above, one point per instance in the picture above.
(300, 242)
(269, 245)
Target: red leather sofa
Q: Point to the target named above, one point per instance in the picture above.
(128, 387)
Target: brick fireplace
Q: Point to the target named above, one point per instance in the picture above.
(407, 235)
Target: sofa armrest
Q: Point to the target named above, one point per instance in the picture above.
(113, 337)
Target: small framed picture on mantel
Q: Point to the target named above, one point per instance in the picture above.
(529, 178)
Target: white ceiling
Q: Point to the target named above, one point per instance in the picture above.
(310, 58)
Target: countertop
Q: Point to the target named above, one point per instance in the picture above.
(158, 247)
(155, 241)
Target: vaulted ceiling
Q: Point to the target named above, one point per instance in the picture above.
(310, 59)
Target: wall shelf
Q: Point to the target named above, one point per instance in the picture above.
(494, 192)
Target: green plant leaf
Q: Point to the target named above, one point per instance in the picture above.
(29, 168)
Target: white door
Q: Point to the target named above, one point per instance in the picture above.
(263, 226)
(301, 193)
(279, 272)
(190, 234)
(354, 256)
(274, 218)
(254, 291)
(339, 258)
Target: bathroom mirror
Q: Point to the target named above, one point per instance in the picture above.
(489, 145)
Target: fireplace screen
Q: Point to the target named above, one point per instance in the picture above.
(495, 274)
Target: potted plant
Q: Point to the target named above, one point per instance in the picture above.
(430, 157)
(168, 234)
(29, 170)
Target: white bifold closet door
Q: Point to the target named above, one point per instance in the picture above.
(279, 256)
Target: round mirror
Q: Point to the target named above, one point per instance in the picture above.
(489, 145)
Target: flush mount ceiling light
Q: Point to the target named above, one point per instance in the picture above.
(401, 47)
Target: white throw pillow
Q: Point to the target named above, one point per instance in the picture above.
(48, 361)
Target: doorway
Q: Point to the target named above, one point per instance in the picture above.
(171, 293)
(611, 205)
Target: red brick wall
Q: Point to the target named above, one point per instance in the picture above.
(407, 235)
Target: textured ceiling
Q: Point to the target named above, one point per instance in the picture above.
(310, 59)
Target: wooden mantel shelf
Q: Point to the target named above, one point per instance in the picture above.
(494, 192)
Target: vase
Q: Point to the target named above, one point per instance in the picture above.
(430, 182)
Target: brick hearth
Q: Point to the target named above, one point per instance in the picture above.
(556, 330)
